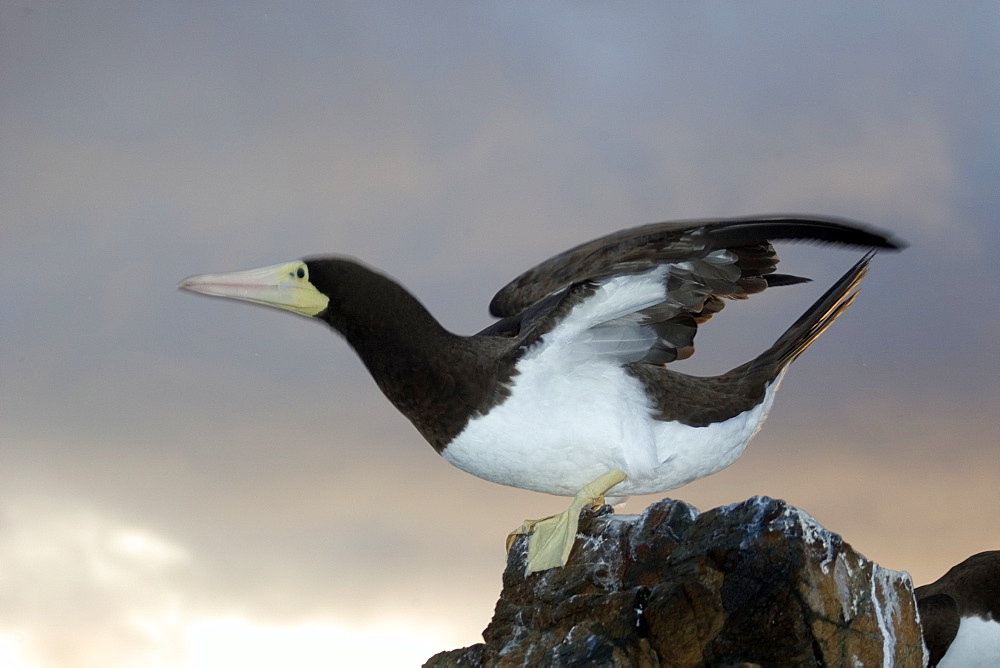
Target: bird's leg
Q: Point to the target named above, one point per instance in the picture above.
(550, 540)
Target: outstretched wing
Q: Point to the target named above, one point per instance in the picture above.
(640, 294)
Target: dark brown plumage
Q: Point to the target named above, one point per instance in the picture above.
(968, 589)
(640, 248)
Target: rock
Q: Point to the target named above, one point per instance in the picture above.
(756, 583)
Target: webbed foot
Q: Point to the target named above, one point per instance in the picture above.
(551, 539)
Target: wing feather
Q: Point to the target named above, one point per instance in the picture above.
(639, 249)
(640, 294)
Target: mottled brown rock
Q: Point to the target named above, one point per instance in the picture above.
(756, 583)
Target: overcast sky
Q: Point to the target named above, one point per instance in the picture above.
(188, 482)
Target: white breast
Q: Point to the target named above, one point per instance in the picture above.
(575, 414)
(977, 645)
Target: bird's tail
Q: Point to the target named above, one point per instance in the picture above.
(813, 322)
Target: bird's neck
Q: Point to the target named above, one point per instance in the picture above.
(417, 363)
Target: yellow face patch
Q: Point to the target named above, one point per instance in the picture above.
(285, 286)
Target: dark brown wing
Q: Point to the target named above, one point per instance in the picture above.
(641, 248)
(703, 262)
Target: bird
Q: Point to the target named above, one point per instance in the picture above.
(960, 614)
(570, 391)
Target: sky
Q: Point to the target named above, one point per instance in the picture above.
(193, 483)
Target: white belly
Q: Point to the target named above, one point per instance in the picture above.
(560, 429)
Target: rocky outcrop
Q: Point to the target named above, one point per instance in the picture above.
(759, 582)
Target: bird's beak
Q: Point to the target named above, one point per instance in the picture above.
(285, 286)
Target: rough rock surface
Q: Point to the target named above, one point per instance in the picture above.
(758, 582)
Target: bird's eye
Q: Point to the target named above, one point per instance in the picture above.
(301, 273)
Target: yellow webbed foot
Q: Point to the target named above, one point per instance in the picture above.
(551, 539)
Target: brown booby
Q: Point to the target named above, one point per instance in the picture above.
(570, 391)
(960, 614)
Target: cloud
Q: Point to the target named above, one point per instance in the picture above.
(79, 588)
(233, 641)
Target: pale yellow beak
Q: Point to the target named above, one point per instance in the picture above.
(285, 286)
